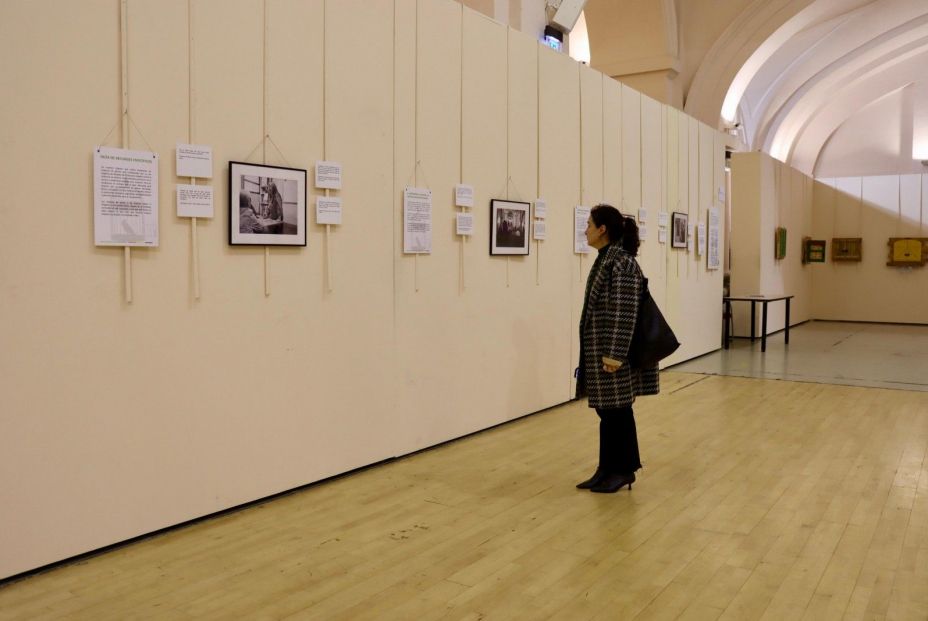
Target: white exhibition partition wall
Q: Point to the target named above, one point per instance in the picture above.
(767, 194)
(123, 418)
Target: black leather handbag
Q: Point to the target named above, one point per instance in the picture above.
(653, 340)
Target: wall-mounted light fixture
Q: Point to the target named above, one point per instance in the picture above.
(565, 19)
(553, 38)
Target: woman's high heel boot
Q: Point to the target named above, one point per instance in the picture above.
(593, 480)
(612, 483)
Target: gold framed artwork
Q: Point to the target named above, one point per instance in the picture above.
(907, 251)
(846, 249)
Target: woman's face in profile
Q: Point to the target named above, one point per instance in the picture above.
(594, 236)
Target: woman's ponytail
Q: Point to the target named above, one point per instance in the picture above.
(630, 240)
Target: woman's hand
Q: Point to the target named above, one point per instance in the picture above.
(611, 365)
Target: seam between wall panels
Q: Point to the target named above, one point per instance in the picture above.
(538, 179)
(580, 136)
(675, 158)
(325, 91)
(415, 125)
(264, 96)
(662, 203)
(461, 105)
(393, 201)
(461, 238)
(580, 201)
(621, 147)
(190, 77)
(698, 195)
(898, 204)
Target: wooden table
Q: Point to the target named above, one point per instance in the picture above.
(754, 299)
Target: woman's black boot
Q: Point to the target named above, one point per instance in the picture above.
(593, 480)
(611, 483)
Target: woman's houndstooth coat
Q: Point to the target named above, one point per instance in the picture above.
(610, 309)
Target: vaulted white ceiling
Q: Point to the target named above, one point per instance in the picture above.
(831, 87)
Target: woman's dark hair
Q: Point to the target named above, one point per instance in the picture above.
(622, 230)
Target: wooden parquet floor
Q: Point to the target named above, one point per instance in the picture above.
(759, 500)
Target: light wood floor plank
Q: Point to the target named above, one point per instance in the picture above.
(759, 500)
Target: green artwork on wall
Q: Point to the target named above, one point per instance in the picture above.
(779, 244)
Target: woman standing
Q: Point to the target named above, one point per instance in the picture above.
(610, 309)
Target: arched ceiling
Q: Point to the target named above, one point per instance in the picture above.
(831, 87)
(794, 74)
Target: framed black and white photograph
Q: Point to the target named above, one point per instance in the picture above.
(679, 229)
(509, 221)
(267, 205)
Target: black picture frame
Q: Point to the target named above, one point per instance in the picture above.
(267, 205)
(679, 229)
(509, 227)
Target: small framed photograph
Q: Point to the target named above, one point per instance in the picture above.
(509, 227)
(679, 229)
(267, 205)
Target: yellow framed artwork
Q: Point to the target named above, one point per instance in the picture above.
(907, 251)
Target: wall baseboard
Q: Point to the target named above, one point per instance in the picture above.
(878, 323)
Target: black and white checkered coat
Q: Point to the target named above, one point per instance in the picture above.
(609, 312)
